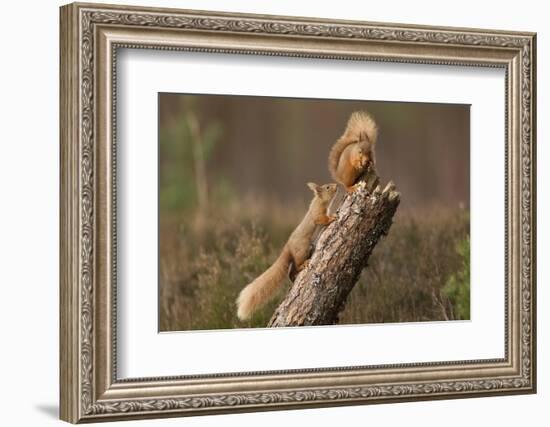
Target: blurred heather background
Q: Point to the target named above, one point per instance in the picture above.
(233, 173)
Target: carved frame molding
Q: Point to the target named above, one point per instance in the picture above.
(90, 37)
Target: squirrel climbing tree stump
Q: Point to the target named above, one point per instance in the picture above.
(320, 290)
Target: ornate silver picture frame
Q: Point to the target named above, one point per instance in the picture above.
(91, 35)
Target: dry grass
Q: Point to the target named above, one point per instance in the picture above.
(408, 275)
(415, 274)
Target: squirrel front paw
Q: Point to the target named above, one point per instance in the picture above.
(360, 162)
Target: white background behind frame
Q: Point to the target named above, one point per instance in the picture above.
(30, 388)
(143, 352)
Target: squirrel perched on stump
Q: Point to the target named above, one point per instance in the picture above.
(349, 158)
(353, 152)
(294, 255)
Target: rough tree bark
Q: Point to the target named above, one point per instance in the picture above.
(320, 290)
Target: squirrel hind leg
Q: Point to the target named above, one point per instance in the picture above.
(292, 271)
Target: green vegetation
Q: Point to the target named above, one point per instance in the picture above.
(185, 148)
(457, 288)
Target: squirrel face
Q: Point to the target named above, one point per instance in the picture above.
(325, 192)
(361, 158)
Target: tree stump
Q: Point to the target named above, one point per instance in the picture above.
(320, 290)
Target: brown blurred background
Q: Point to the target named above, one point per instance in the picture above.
(233, 174)
(273, 146)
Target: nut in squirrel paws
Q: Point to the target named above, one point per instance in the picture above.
(360, 161)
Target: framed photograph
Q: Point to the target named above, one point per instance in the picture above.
(265, 212)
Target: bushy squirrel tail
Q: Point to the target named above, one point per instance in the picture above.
(263, 288)
(361, 127)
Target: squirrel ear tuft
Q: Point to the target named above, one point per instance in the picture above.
(314, 187)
